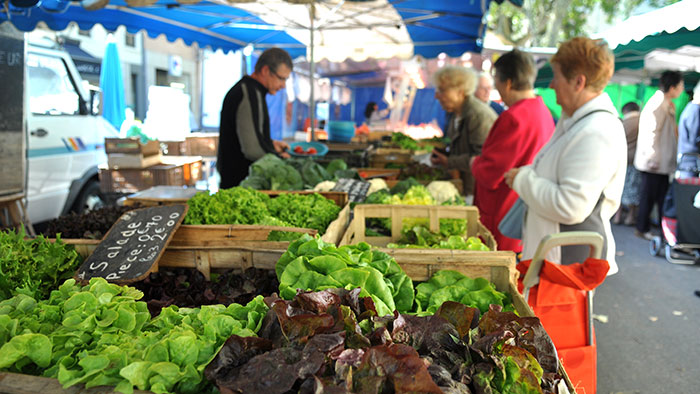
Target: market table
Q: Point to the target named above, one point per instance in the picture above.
(159, 195)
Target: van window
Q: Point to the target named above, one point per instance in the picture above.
(50, 89)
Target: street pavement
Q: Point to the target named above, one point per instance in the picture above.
(651, 342)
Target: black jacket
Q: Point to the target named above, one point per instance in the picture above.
(244, 131)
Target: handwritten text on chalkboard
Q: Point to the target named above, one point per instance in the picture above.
(134, 244)
(357, 190)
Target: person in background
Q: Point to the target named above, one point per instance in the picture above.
(483, 92)
(468, 124)
(657, 144)
(244, 131)
(514, 140)
(689, 137)
(576, 180)
(373, 115)
(630, 194)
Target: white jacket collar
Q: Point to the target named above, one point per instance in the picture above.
(602, 101)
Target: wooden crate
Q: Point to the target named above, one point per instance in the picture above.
(351, 146)
(132, 160)
(202, 144)
(385, 173)
(381, 157)
(15, 383)
(131, 146)
(173, 148)
(356, 230)
(185, 172)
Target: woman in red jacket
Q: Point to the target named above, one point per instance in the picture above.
(513, 141)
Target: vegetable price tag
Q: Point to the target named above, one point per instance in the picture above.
(132, 247)
(357, 190)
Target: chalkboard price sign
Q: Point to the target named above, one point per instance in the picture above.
(357, 190)
(132, 247)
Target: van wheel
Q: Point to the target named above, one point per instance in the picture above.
(90, 198)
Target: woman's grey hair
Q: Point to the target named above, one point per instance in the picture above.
(486, 76)
(456, 77)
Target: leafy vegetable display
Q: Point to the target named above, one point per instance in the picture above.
(241, 205)
(273, 173)
(100, 334)
(447, 285)
(34, 267)
(237, 205)
(186, 287)
(421, 237)
(332, 341)
(404, 142)
(423, 172)
(304, 210)
(93, 224)
(311, 264)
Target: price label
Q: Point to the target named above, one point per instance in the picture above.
(357, 190)
(132, 247)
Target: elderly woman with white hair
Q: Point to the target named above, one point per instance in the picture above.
(483, 92)
(469, 121)
(689, 137)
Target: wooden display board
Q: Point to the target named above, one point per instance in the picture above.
(12, 120)
(132, 247)
(160, 195)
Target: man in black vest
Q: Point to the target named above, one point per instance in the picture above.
(244, 131)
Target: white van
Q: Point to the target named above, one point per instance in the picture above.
(65, 135)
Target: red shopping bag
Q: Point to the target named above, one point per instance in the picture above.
(559, 300)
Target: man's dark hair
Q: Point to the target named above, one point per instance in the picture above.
(369, 109)
(518, 67)
(629, 107)
(272, 58)
(669, 79)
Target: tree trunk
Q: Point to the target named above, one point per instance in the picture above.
(561, 7)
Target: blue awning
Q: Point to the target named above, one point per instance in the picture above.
(206, 23)
(434, 27)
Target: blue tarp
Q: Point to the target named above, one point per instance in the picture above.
(206, 23)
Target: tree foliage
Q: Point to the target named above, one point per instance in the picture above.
(547, 22)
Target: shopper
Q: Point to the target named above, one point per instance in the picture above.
(630, 194)
(689, 137)
(483, 92)
(657, 142)
(576, 180)
(513, 141)
(244, 131)
(468, 123)
(374, 116)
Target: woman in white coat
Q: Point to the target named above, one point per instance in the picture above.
(575, 182)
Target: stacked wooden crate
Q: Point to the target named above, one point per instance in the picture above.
(134, 166)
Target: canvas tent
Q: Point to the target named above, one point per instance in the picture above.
(346, 27)
(646, 44)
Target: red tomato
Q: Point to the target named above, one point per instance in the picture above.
(298, 149)
(311, 151)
